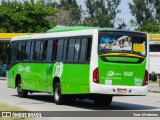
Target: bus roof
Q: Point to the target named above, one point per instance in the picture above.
(67, 32)
(75, 28)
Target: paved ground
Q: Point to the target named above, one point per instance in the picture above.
(153, 86)
(39, 102)
(44, 101)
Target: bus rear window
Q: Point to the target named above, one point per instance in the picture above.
(122, 43)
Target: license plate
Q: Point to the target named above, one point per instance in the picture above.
(121, 90)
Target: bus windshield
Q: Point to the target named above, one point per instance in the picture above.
(122, 43)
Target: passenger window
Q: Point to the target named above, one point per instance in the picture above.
(28, 46)
(65, 50)
(49, 50)
(32, 50)
(54, 50)
(43, 52)
(71, 50)
(19, 51)
(60, 50)
(85, 50)
(77, 50)
(36, 51)
(23, 50)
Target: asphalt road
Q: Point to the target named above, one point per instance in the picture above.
(44, 102)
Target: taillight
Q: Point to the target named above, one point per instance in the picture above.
(95, 76)
(145, 78)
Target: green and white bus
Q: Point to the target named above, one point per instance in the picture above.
(84, 62)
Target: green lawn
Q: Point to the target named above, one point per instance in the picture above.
(7, 107)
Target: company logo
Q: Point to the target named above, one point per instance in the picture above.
(6, 114)
(21, 68)
(77, 47)
(128, 73)
(110, 73)
(58, 69)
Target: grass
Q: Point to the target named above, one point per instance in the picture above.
(7, 107)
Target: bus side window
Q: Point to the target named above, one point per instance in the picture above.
(77, 50)
(36, 51)
(23, 50)
(83, 54)
(27, 51)
(49, 50)
(43, 51)
(65, 50)
(71, 50)
(31, 52)
(19, 50)
(85, 50)
(60, 50)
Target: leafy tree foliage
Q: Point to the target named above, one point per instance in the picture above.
(101, 13)
(146, 11)
(150, 28)
(27, 16)
(69, 12)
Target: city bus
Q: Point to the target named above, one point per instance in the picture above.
(4, 42)
(154, 56)
(80, 62)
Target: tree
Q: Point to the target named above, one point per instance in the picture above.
(69, 12)
(150, 28)
(145, 11)
(157, 10)
(27, 16)
(101, 13)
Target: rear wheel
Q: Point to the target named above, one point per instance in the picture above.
(20, 91)
(58, 97)
(102, 100)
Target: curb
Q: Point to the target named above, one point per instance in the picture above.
(3, 78)
(153, 91)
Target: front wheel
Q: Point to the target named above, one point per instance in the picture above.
(20, 91)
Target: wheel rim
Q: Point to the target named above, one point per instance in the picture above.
(19, 88)
(57, 92)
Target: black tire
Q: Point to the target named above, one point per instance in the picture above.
(103, 100)
(21, 93)
(58, 97)
(154, 77)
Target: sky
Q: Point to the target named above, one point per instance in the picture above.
(125, 11)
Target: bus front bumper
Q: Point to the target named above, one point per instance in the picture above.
(118, 90)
